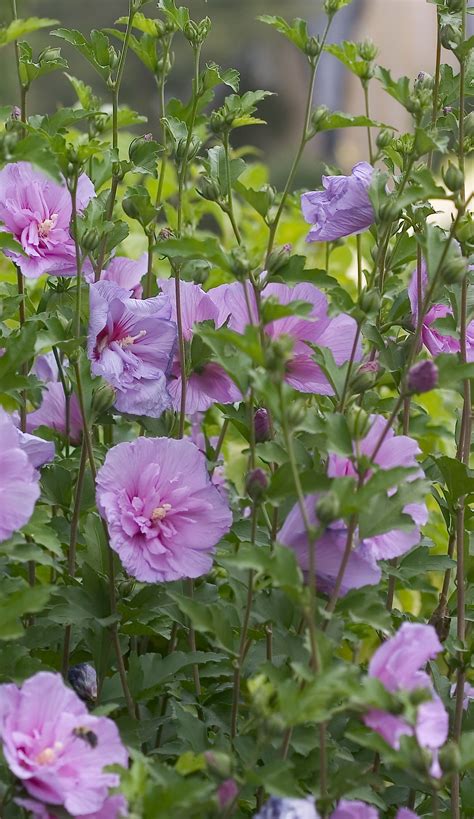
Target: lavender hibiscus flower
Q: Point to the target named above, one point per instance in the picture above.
(52, 410)
(56, 748)
(127, 273)
(131, 344)
(353, 809)
(302, 372)
(163, 513)
(435, 340)
(210, 383)
(286, 808)
(37, 211)
(342, 208)
(114, 807)
(362, 568)
(397, 664)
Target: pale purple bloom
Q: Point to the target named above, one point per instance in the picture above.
(397, 664)
(52, 412)
(435, 340)
(39, 451)
(337, 333)
(19, 489)
(45, 368)
(227, 792)
(352, 809)
(362, 568)
(163, 513)
(286, 808)
(209, 384)
(468, 694)
(422, 377)
(405, 813)
(37, 211)
(343, 206)
(55, 747)
(114, 807)
(131, 344)
(127, 273)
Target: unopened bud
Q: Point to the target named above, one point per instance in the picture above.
(453, 177)
(217, 122)
(261, 424)
(83, 679)
(384, 138)
(424, 81)
(365, 377)
(390, 210)
(422, 377)
(256, 484)
(278, 259)
(15, 113)
(296, 413)
(369, 301)
(367, 50)
(318, 116)
(331, 7)
(278, 353)
(469, 124)
(208, 189)
(454, 270)
(450, 758)
(103, 398)
(451, 36)
(358, 422)
(165, 233)
(90, 240)
(239, 263)
(312, 47)
(219, 763)
(227, 792)
(328, 508)
(454, 5)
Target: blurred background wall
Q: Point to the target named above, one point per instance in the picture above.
(404, 30)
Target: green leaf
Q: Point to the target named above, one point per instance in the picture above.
(178, 15)
(16, 602)
(337, 119)
(215, 75)
(347, 53)
(191, 248)
(398, 89)
(8, 242)
(296, 32)
(96, 51)
(21, 27)
(218, 168)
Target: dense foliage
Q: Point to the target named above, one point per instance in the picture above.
(235, 492)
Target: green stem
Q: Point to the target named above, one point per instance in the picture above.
(164, 137)
(331, 605)
(302, 144)
(349, 368)
(434, 114)
(192, 642)
(365, 86)
(359, 263)
(230, 198)
(149, 271)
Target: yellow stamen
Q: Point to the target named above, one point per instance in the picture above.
(161, 511)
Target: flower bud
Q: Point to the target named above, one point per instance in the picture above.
(83, 679)
(165, 233)
(277, 353)
(422, 377)
(451, 36)
(277, 259)
(208, 189)
(454, 5)
(369, 301)
(194, 147)
(328, 508)
(261, 424)
(384, 138)
(15, 113)
(365, 377)
(102, 399)
(227, 792)
(358, 422)
(453, 177)
(219, 763)
(447, 109)
(90, 240)
(454, 270)
(367, 50)
(441, 623)
(469, 124)
(296, 413)
(390, 210)
(256, 484)
(318, 116)
(312, 47)
(217, 122)
(113, 58)
(331, 7)
(450, 758)
(424, 82)
(239, 263)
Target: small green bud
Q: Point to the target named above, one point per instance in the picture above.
(454, 270)
(451, 36)
(90, 240)
(278, 353)
(450, 758)
(113, 58)
(390, 210)
(469, 124)
(367, 50)
(454, 5)
(278, 259)
(453, 177)
(365, 377)
(318, 116)
(239, 263)
(208, 189)
(296, 413)
(331, 7)
(50, 54)
(219, 763)
(424, 81)
(312, 47)
(366, 71)
(358, 422)
(103, 398)
(369, 301)
(384, 138)
(328, 508)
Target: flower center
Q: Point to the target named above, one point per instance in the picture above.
(46, 226)
(48, 755)
(160, 512)
(127, 341)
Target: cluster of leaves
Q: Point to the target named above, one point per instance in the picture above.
(194, 204)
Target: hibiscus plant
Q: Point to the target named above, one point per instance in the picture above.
(235, 427)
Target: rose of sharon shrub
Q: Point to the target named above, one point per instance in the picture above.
(37, 211)
(55, 747)
(163, 513)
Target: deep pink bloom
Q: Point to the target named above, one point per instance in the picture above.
(435, 340)
(362, 568)
(337, 333)
(19, 489)
(343, 206)
(163, 513)
(422, 376)
(127, 273)
(397, 664)
(227, 793)
(55, 747)
(114, 807)
(131, 344)
(52, 410)
(352, 809)
(37, 211)
(208, 384)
